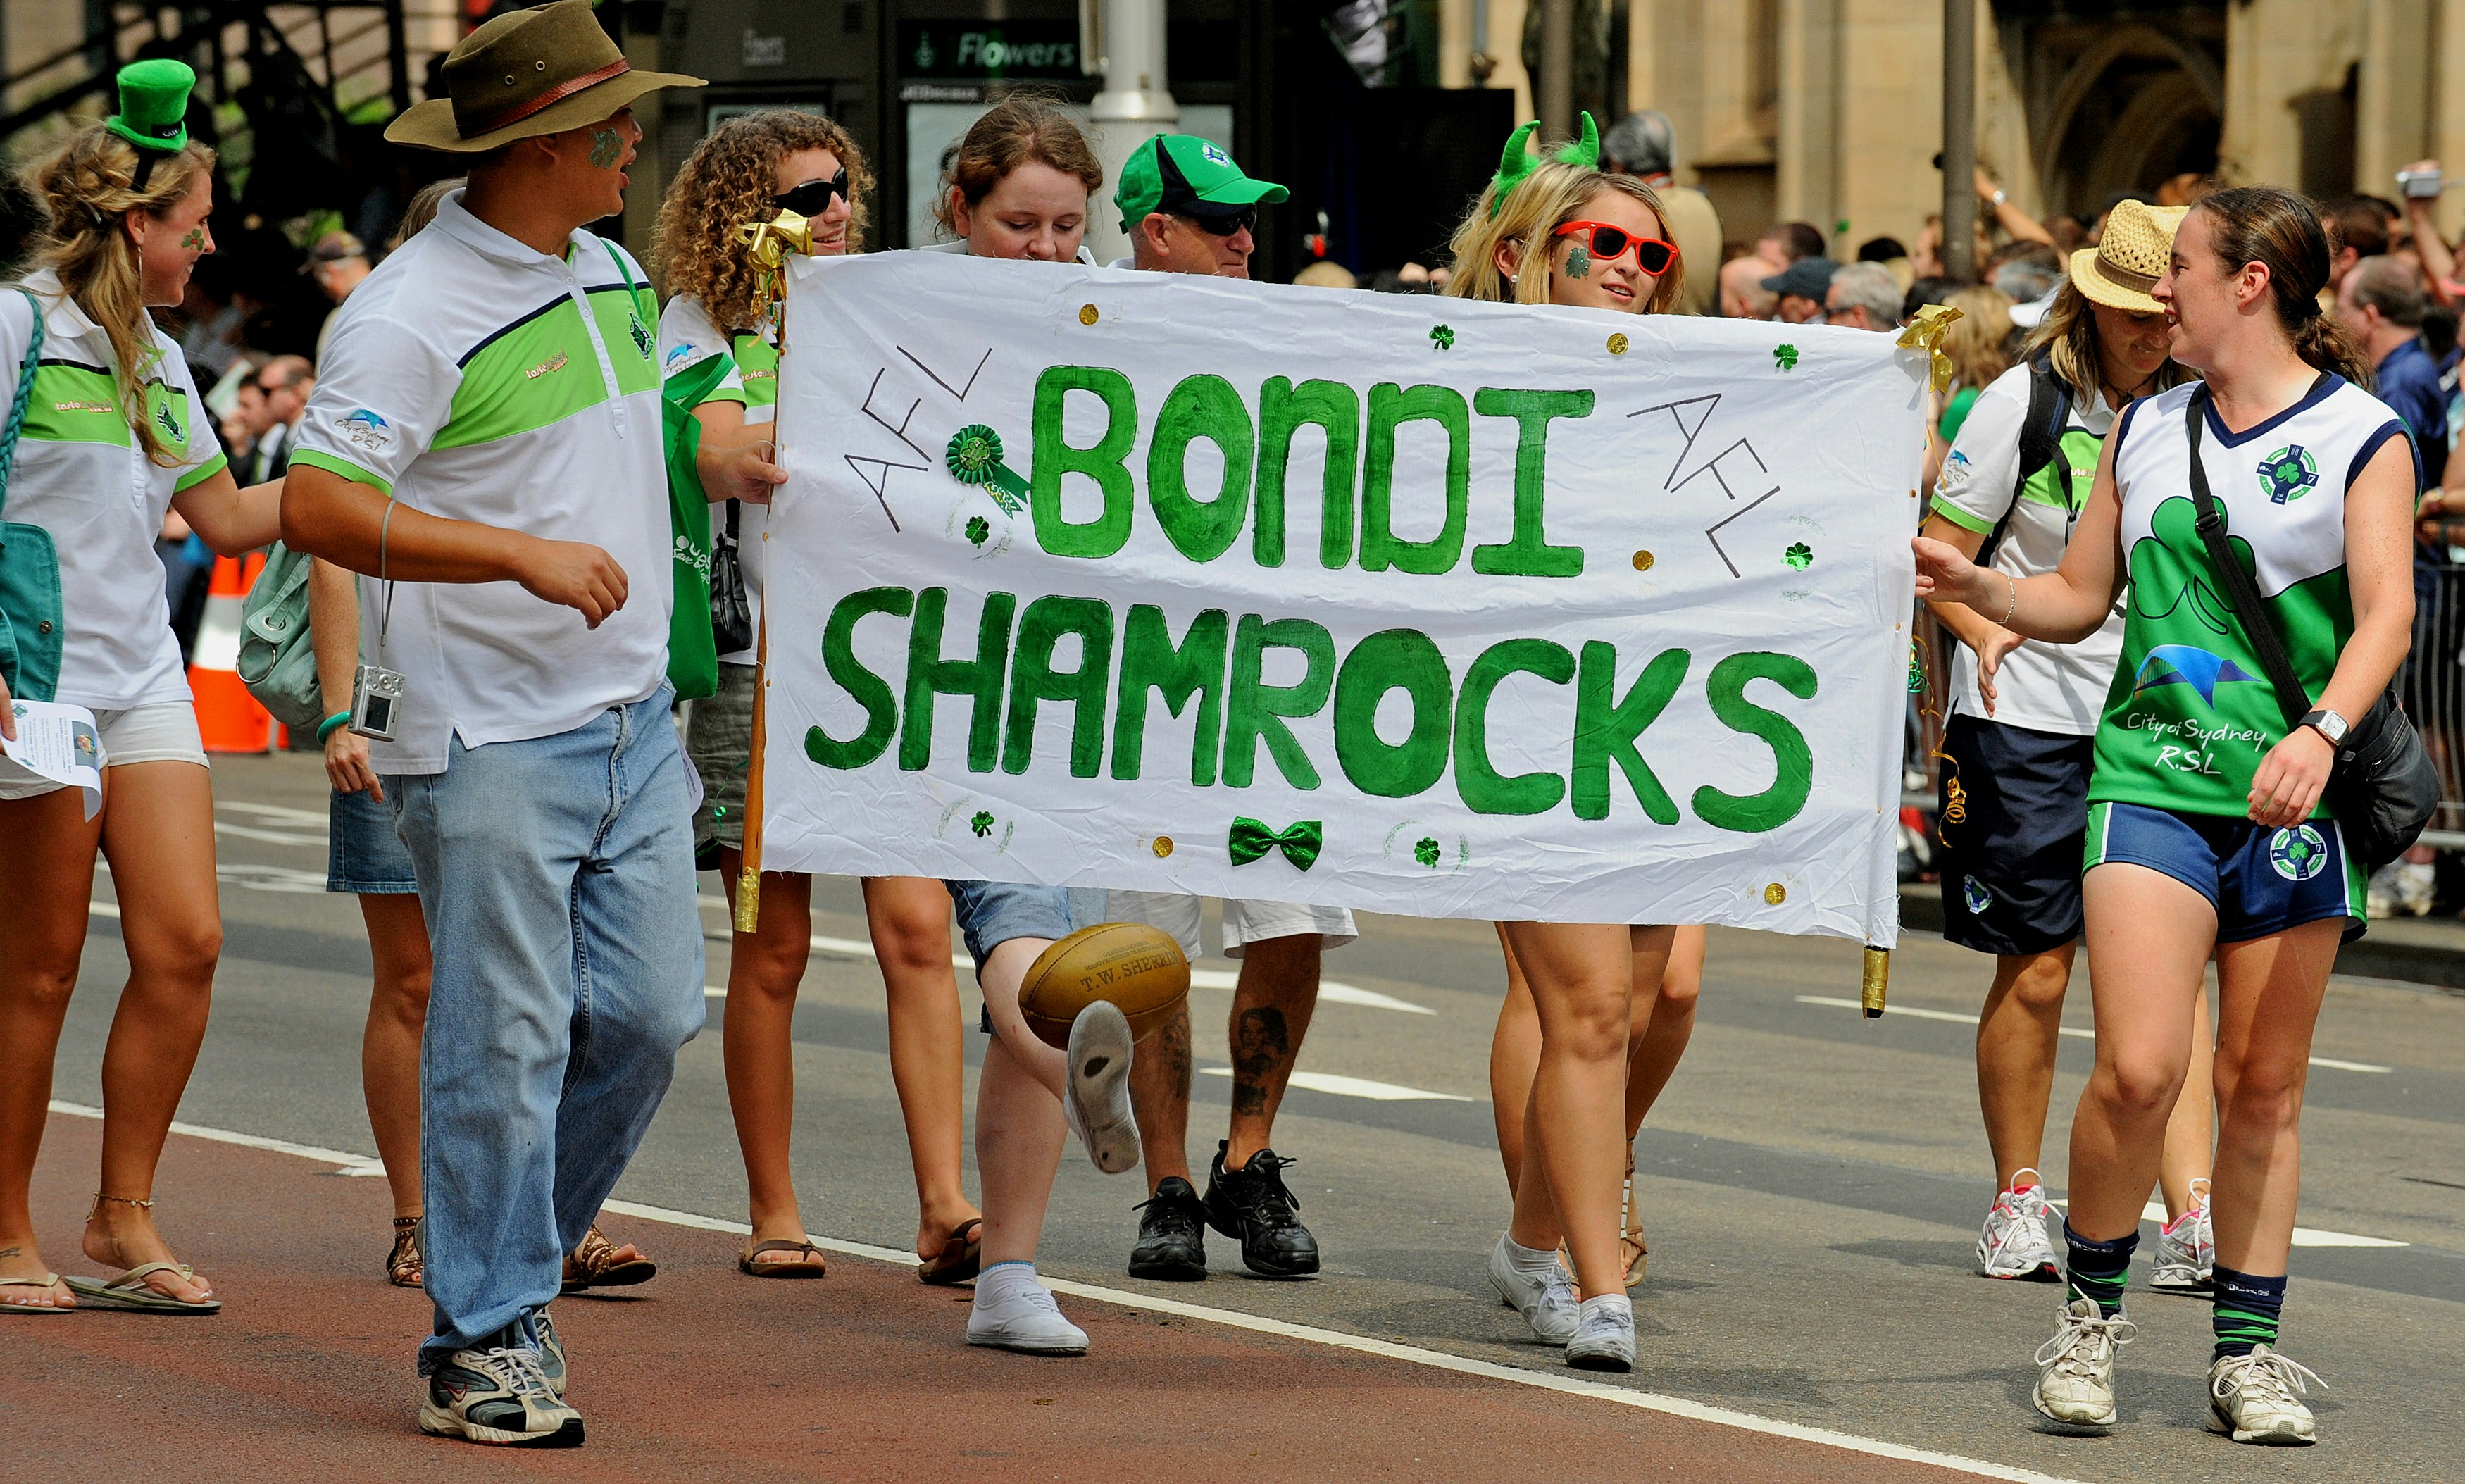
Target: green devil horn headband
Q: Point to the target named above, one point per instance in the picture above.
(1517, 161)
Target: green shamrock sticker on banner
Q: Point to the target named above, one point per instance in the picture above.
(982, 823)
(978, 529)
(1800, 556)
(1426, 851)
(1442, 336)
(1785, 357)
(975, 458)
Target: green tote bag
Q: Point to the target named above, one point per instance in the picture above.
(30, 564)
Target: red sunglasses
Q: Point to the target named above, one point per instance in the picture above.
(1607, 244)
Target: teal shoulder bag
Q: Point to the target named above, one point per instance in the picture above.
(30, 564)
(278, 655)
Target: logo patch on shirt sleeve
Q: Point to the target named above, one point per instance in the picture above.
(365, 430)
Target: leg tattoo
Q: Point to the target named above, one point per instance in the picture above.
(1261, 1045)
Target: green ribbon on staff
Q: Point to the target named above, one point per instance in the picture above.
(975, 458)
(1301, 843)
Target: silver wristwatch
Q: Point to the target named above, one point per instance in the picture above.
(2328, 725)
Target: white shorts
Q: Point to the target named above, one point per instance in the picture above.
(1246, 920)
(161, 732)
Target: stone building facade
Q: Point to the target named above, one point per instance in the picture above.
(1830, 111)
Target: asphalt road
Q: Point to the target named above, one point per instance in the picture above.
(1812, 1181)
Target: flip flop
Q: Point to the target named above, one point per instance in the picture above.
(959, 1258)
(45, 1283)
(131, 1292)
(799, 1269)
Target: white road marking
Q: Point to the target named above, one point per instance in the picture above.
(2304, 1236)
(317, 817)
(2080, 1031)
(1360, 1345)
(1353, 1087)
(1330, 992)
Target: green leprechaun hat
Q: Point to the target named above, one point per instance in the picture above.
(154, 104)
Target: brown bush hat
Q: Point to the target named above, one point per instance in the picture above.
(526, 74)
(2129, 259)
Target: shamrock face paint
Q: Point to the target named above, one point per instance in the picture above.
(605, 144)
(1579, 261)
(195, 240)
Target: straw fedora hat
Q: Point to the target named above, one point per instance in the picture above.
(526, 74)
(2129, 259)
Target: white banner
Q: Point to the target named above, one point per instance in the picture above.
(1101, 578)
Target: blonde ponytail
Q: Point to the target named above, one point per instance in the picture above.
(86, 183)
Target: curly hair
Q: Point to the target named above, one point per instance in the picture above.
(1026, 127)
(727, 181)
(86, 184)
(1552, 195)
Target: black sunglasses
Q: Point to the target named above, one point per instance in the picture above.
(814, 197)
(1245, 219)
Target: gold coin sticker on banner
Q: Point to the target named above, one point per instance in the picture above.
(1617, 345)
(1087, 314)
(1643, 560)
(1163, 846)
(1775, 894)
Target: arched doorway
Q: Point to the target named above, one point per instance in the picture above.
(2133, 106)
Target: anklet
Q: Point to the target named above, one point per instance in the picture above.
(124, 1199)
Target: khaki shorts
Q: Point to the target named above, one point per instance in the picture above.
(719, 739)
(1246, 920)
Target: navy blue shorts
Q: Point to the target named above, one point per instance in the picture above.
(2014, 807)
(2260, 880)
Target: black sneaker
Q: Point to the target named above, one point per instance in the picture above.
(1173, 1234)
(1253, 1206)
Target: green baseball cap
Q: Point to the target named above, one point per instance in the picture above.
(154, 104)
(1188, 176)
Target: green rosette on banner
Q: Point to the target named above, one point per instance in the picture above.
(975, 458)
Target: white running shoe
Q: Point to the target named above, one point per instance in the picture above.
(2076, 1385)
(1099, 1083)
(2187, 1248)
(1604, 1335)
(1546, 1299)
(2014, 1244)
(2416, 887)
(2257, 1398)
(1022, 1316)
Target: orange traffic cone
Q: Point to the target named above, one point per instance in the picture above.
(227, 715)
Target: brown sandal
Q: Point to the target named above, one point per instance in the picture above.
(594, 1263)
(405, 1266)
(959, 1258)
(1631, 1243)
(799, 1269)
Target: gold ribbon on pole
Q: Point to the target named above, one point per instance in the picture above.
(769, 245)
(1925, 333)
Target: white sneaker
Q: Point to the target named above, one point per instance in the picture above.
(2379, 893)
(1545, 1297)
(2186, 1249)
(1020, 1315)
(1604, 1335)
(2014, 1244)
(2076, 1385)
(1098, 1103)
(2256, 1398)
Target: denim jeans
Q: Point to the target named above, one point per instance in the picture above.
(558, 880)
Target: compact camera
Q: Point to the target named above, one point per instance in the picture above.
(376, 693)
(2420, 185)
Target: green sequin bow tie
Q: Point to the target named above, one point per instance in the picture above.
(1301, 843)
(975, 458)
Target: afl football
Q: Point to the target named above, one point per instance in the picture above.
(1137, 967)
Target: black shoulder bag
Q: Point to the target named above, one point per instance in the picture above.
(731, 612)
(2384, 787)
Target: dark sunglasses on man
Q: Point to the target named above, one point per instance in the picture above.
(1607, 244)
(814, 197)
(1245, 219)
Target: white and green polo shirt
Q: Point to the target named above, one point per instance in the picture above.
(2057, 688)
(2191, 711)
(82, 476)
(687, 338)
(474, 378)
